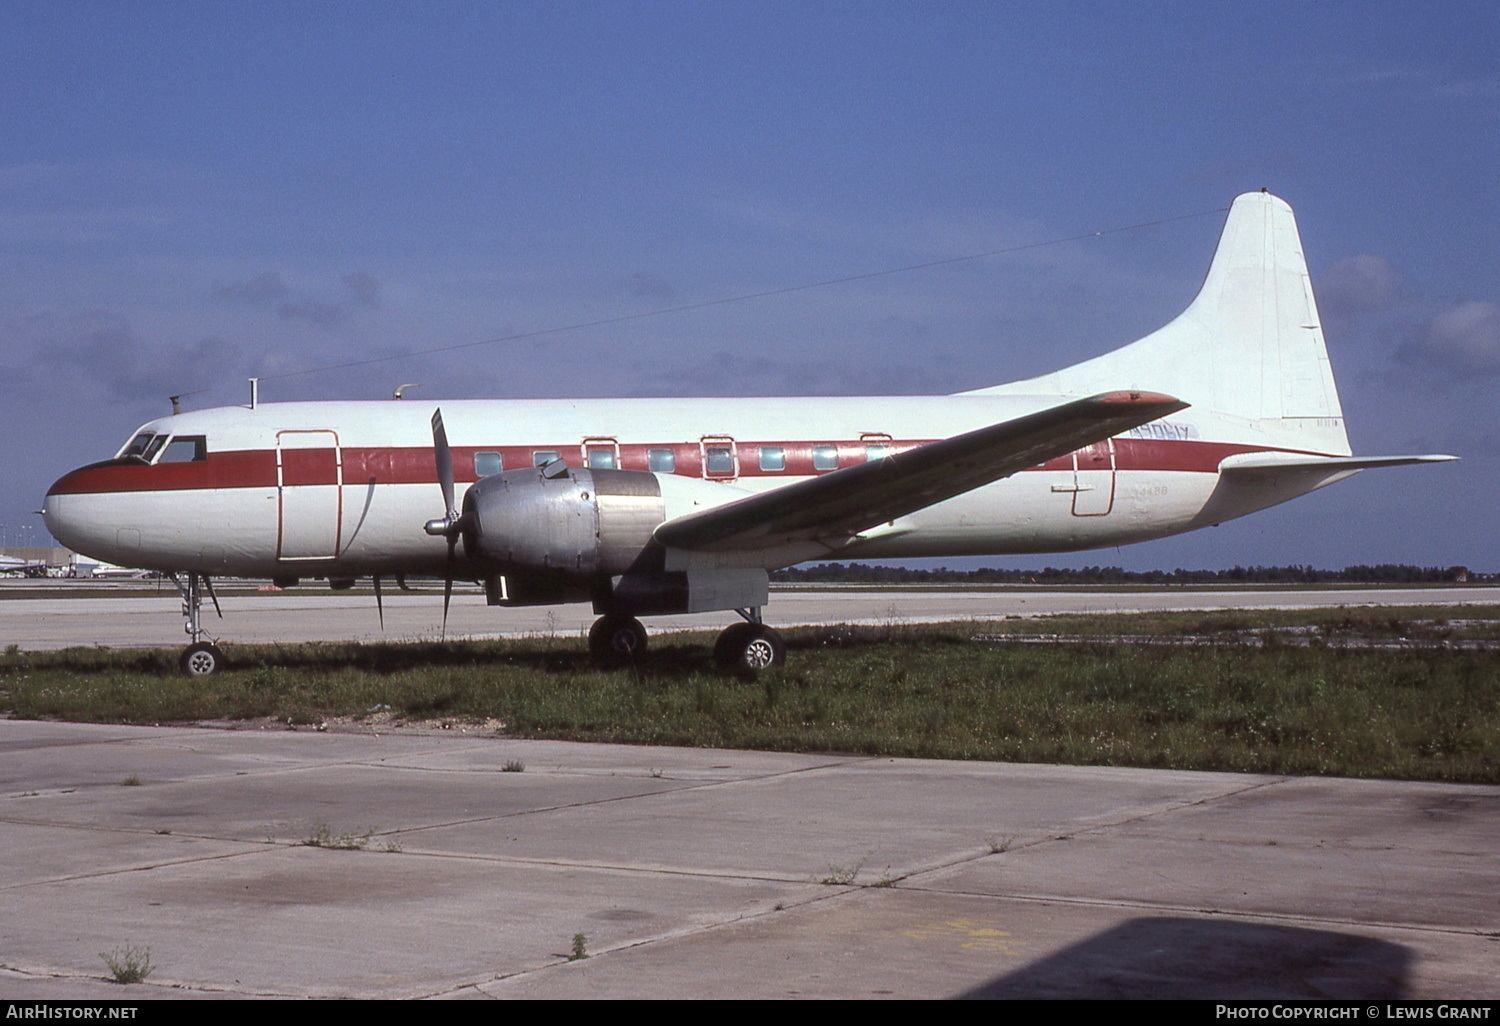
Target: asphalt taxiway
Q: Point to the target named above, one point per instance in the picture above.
(470, 862)
(147, 614)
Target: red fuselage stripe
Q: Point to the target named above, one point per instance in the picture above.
(257, 468)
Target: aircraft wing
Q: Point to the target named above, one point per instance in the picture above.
(840, 505)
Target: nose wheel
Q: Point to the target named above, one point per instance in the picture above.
(751, 647)
(201, 659)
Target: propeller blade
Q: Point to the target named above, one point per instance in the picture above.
(379, 605)
(209, 586)
(448, 582)
(444, 464)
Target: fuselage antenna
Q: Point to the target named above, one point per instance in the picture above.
(176, 400)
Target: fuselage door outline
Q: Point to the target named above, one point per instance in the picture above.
(721, 457)
(1094, 479)
(309, 494)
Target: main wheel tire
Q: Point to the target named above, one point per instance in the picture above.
(749, 647)
(617, 640)
(201, 660)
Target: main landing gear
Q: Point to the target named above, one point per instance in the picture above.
(750, 646)
(201, 658)
(618, 640)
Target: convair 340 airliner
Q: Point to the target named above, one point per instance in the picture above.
(658, 506)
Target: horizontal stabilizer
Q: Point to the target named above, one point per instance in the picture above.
(839, 505)
(1264, 461)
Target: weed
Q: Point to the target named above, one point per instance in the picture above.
(392, 845)
(843, 876)
(12, 650)
(131, 781)
(580, 948)
(1000, 844)
(513, 766)
(129, 964)
(656, 774)
(324, 837)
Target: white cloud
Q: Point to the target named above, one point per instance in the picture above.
(1463, 340)
(1359, 284)
(263, 288)
(104, 349)
(364, 286)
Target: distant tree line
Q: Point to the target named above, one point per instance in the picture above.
(1384, 573)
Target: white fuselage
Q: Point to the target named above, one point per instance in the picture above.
(342, 489)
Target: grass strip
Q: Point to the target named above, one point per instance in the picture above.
(900, 690)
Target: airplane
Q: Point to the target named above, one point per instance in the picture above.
(24, 567)
(92, 569)
(661, 506)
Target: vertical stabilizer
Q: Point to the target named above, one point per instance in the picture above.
(1250, 347)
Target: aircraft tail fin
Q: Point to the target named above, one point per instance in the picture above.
(1250, 346)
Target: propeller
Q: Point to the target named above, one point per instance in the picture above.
(451, 525)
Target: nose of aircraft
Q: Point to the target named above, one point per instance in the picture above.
(72, 511)
(55, 512)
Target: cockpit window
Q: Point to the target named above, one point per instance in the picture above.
(138, 445)
(185, 449)
(148, 445)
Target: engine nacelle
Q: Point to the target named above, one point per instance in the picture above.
(577, 523)
(583, 534)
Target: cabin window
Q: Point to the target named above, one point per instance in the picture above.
(488, 464)
(601, 457)
(185, 449)
(661, 461)
(825, 457)
(772, 457)
(878, 451)
(719, 459)
(542, 457)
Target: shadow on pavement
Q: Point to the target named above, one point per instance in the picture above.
(1181, 958)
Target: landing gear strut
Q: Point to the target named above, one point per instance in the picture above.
(201, 658)
(616, 640)
(750, 646)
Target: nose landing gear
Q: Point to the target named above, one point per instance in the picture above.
(201, 658)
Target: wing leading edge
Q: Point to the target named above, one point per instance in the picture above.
(838, 506)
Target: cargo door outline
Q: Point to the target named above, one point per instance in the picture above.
(1094, 479)
(309, 495)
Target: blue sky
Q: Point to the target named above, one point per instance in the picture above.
(191, 194)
